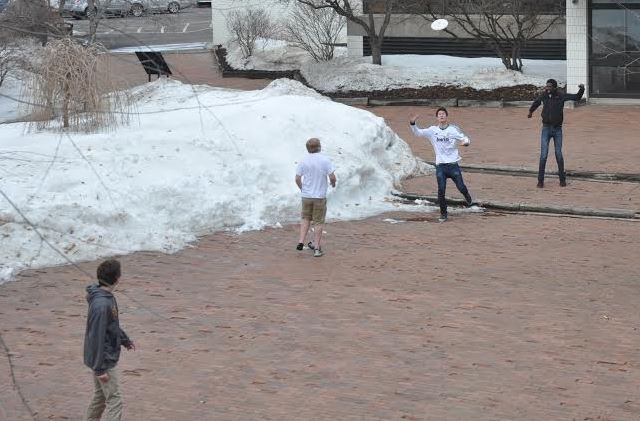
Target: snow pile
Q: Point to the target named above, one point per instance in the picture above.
(415, 71)
(196, 160)
(345, 73)
(10, 94)
(271, 54)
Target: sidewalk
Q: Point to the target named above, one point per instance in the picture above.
(488, 316)
(189, 67)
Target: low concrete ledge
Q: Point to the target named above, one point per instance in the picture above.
(480, 103)
(415, 101)
(353, 101)
(533, 208)
(526, 172)
(520, 104)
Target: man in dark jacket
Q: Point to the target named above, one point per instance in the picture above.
(102, 341)
(552, 116)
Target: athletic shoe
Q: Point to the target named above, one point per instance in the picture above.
(540, 184)
(317, 252)
(442, 218)
(469, 202)
(300, 246)
(563, 183)
(311, 246)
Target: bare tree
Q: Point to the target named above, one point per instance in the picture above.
(354, 13)
(247, 26)
(73, 81)
(32, 19)
(314, 30)
(503, 25)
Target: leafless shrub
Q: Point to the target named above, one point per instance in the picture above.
(314, 30)
(8, 59)
(31, 19)
(73, 81)
(247, 26)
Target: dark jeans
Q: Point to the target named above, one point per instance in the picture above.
(549, 132)
(452, 171)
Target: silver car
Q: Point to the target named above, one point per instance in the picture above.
(80, 8)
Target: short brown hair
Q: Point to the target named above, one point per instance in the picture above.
(313, 145)
(108, 272)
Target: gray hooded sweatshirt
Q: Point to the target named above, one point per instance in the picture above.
(103, 337)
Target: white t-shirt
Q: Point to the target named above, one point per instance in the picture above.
(314, 170)
(445, 142)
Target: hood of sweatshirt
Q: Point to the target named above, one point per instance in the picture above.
(94, 291)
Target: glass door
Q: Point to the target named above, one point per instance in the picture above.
(615, 48)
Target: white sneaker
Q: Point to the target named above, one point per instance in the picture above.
(317, 252)
(443, 218)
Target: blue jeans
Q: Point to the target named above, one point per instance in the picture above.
(452, 171)
(549, 132)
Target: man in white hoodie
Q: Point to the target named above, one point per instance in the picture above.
(445, 139)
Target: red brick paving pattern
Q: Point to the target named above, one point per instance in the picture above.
(485, 317)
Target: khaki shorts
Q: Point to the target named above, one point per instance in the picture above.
(314, 209)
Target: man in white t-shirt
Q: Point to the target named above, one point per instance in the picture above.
(312, 173)
(445, 139)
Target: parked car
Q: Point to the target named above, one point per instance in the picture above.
(80, 8)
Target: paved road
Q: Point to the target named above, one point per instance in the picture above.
(191, 25)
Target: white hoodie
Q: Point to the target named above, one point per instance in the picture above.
(445, 141)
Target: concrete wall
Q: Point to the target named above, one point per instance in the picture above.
(577, 45)
(354, 41)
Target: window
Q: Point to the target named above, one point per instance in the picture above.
(615, 48)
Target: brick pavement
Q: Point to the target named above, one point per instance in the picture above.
(190, 67)
(490, 316)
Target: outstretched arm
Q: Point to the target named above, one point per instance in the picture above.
(577, 96)
(417, 131)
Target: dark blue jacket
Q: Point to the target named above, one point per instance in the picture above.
(103, 337)
(553, 106)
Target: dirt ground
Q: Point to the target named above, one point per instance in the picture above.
(489, 316)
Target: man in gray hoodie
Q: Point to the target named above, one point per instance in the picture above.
(102, 341)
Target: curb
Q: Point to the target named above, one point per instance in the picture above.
(525, 172)
(525, 207)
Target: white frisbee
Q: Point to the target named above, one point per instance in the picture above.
(439, 24)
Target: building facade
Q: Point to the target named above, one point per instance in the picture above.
(603, 47)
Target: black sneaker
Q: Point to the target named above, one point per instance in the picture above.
(540, 185)
(563, 183)
(300, 246)
(310, 245)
